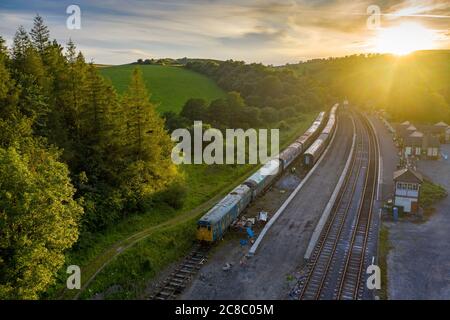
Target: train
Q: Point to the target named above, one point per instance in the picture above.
(314, 152)
(212, 226)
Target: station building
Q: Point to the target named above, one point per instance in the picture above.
(422, 141)
(407, 184)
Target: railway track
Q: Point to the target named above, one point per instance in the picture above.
(177, 281)
(337, 264)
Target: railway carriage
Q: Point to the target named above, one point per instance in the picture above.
(290, 154)
(263, 178)
(313, 153)
(308, 137)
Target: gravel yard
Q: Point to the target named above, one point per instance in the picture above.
(419, 262)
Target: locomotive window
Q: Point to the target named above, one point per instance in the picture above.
(209, 228)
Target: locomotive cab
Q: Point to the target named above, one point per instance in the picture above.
(204, 231)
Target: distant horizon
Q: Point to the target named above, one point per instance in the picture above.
(280, 65)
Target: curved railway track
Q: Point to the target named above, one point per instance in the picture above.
(336, 266)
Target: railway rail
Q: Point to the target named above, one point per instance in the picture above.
(338, 262)
(177, 281)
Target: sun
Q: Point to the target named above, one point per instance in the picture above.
(404, 39)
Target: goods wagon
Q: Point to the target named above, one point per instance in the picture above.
(212, 226)
(313, 153)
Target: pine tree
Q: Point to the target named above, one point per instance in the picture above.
(21, 43)
(148, 145)
(40, 35)
(4, 74)
(141, 119)
(70, 100)
(99, 125)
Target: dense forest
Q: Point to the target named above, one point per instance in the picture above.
(74, 156)
(415, 87)
(258, 95)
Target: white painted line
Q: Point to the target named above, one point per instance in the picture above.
(380, 161)
(326, 213)
(293, 194)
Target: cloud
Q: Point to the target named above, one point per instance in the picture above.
(266, 31)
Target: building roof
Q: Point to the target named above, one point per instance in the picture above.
(411, 128)
(408, 175)
(425, 128)
(416, 134)
(406, 124)
(415, 139)
(401, 131)
(441, 124)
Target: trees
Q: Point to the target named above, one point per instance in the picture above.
(38, 216)
(194, 109)
(40, 35)
(60, 121)
(261, 86)
(269, 115)
(38, 219)
(149, 168)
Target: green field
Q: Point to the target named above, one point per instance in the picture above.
(170, 87)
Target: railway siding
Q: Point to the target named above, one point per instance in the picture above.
(267, 275)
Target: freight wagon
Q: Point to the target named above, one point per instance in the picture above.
(215, 222)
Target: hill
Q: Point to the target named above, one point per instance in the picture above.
(413, 87)
(170, 86)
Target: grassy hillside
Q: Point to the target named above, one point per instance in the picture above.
(170, 86)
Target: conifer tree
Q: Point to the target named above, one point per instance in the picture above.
(40, 35)
(21, 43)
(148, 144)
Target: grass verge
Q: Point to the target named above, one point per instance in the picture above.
(384, 247)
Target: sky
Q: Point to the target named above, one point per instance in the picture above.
(268, 31)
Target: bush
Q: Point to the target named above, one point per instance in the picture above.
(282, 125)
(287, 113)
(269, 115)
(431, 193)
(174, 196)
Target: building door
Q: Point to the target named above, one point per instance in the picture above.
(414, 206)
